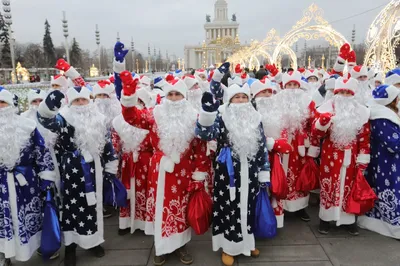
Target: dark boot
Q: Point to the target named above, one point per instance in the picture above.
(323, 227)
(98, 251)
(70, 255)
(303, 215)
(123, 232)
(184, 255)
(353, 229)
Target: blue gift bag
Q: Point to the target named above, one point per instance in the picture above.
(265, 225)
(51, 232)
(114, 192)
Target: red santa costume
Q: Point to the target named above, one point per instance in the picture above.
(343, 123)
(267, 106)
(133, 146)
(297, 113)
(178, 158)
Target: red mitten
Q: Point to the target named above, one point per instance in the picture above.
(112, 79)
(282, 146)
(62, 65)
(238, 69)
(325, 118)
(125, 76)
(344, 51)
(244, 75)
(351, 59)
(272, 69)
(169, 78)
(130, 87)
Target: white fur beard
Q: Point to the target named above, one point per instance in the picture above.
(329, 95)
(204, 85)
(90, 129)
(110, 108)
(294, 109)
(364, 92)
(194, 97)
(175, 125)
(270, 116)
(242, 122)
(13, 138)
(346, 122)
(131, 137)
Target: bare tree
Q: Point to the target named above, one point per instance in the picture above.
(34, 55)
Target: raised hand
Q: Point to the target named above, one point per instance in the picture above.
(344, 51)
(351, 59)
(119, 52)
(208, 104)
(272, 69)
(62, 65)
(224, 68)
(129, 84)
(54, 100)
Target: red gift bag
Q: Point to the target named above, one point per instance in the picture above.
(309, 176)
(279, 185)
(199, 214)
(362, 197)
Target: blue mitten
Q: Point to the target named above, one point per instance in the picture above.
(208, 104)
(119, 52)
(224, 68)
(54, 100)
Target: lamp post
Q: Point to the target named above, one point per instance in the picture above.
(8, 21)
(65, 30)
(133, 55)
(137, 66)
(118, 37)
(97, 32)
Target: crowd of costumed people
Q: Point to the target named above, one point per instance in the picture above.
(190, 152)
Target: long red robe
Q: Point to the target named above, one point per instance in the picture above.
(338, 167)
(167, 196)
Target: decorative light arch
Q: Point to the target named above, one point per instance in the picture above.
(302, 29)
(383, 37)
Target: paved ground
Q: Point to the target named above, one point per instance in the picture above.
(298, 244)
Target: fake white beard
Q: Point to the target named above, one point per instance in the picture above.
(49, 137)
(364, 92)
(131, 137)
(194, 97)
(270, 116)
(108, 107)
(329, 94)
(242, 122)
(176, 122)
(313, 86)
(293, 105)
(346, 123)
(13, 138)
(90, 128)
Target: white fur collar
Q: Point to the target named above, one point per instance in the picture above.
(131, 136)
(382, 112)
(327, 107)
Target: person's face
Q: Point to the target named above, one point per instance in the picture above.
(240, 98)
(312, 79)
(203, 77)
(345, 93)
(397, 85)
(195, 86)
(174, 96)
(320, 75)
(80, 102)
(264, 93)
(55, 86)
(292, 85)
(362, 78)
(36, 102)
(102, 96)
(378, 83)
(3, 104)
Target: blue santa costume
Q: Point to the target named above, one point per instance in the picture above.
(86, 157)
(242, 163)
(25, 167)
(383, 169)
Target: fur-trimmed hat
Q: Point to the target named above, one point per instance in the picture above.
(6, 96)
(59, 80)
(393, 76)
(159, 82)
(144, 95)
(35, 94)
(293, 76)
(103, 87)
(235, 80)
(190, 81)
(144, 80)
(77, 92)
(311, 73)
(385, 94)
(260, 85)
(176, 85)
(235, 89)
(359, 71)
(349, 85)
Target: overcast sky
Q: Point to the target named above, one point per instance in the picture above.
(169, 25)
